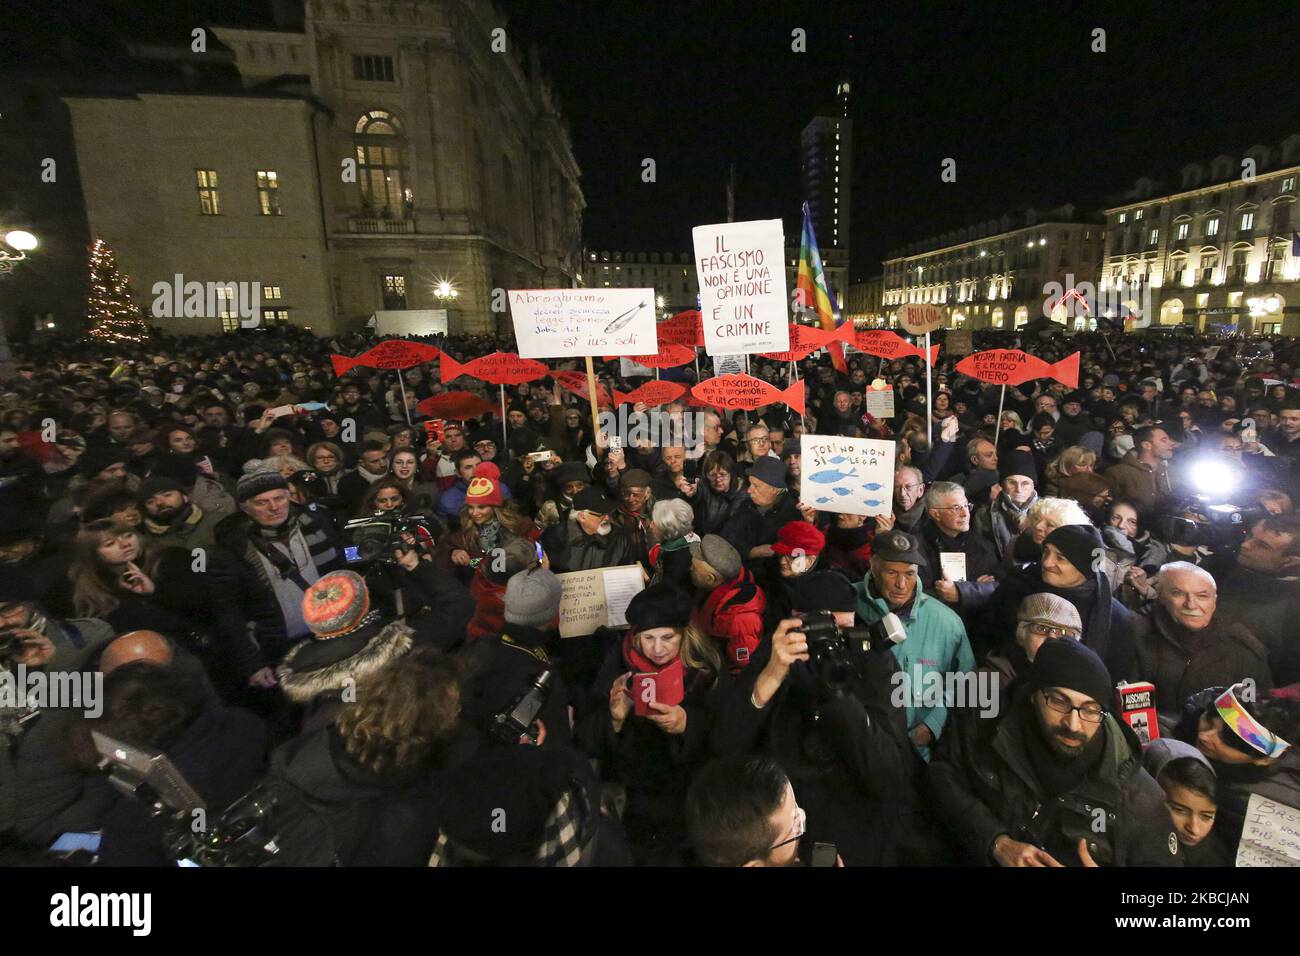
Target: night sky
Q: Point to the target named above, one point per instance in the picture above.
(1011, 91)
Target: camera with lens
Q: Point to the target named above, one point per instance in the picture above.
(371, 540)
(836, 654)
(1218, 527)
(517, 720)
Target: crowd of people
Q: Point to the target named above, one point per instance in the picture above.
(352, 610)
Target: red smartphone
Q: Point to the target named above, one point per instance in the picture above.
(662, 687)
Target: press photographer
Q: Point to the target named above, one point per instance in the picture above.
(819, 704)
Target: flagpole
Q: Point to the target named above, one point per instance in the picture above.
(504, 436)
(997, 431)
(591, 393)
(929, 412)
(405, 409)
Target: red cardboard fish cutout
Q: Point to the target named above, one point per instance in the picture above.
(651, 393)
(806, 339)
(395, 353)
(1014, 367)
(668, 357)
(576, 382)
(684, 328)
(889, 345)
(746, 391)
(458, 405)
(499, 368)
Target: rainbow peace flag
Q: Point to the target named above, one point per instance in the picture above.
(811, 292)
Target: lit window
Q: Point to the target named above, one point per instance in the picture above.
(394, 292)
(1182, 230)
(1288, 184)
(209, 195)
(1123, 218)
(1212, 226)
(381, 165)
(1137, 216)
(268, 192)
(1247, 221)
(275, 316)
(270, 292)
(1153, 237)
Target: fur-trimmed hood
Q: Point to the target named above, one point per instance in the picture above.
(315, 667)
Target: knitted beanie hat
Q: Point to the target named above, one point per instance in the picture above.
(485, 486)
(532, 598)
(257, 483)
(336, 604)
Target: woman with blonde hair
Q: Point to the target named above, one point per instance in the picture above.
(650, 719)
(1075, 460)
(1042, 518)
(486, 522)
(326, 459)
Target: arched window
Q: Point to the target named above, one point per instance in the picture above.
(381, 165)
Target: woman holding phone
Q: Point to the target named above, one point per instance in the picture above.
(649, 724)
(485, 524)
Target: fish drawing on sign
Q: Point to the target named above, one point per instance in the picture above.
(837, 460)
(873, 486)
(832, 474)
(623, 319)
(841, 491)
(873, 502)
(822, 501)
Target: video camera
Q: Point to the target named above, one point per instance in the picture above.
(241, 836)
(371, 540)
(517, 720)
(1218, 527)
(837, 654)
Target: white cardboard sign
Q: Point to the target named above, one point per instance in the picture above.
(847, 475)
(557, 323)
(743, 304)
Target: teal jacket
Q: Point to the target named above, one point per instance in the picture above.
(936, 644)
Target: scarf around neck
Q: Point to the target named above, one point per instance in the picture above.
(641, 664)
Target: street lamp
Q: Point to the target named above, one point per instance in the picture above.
(444, 290)
(14, 248)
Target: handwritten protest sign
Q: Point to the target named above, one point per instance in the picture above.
(919, 319)
(1271, 835)
(395, 353)
(848, 475)
(630, 368)
(652, 393)
(599, 598)
(746, 391)
(668, 356)
(1014, 367)
(806, 339)
(576, 382)
(499, 368)
(741, 267)
(889, 345)
(959, 341)
(880, 403)
(682, 329)
(553, 323)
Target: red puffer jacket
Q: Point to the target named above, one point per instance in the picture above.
(733, 613)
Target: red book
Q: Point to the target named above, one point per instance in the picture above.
(661, 687)
(1137, 706)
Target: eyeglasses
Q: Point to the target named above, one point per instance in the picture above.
(963, 507)
(800, 821)
(760, 441)
(1091, 711)
(1051, 630)
(910, 487)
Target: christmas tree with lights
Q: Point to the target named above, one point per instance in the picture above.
(112, 313)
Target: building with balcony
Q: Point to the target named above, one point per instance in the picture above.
(996, 274)
(371, 157)
(1218, 252)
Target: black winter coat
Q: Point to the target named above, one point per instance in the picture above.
(983, 786)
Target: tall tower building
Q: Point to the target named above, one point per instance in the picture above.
(826, 148)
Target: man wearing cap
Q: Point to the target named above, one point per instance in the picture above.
(755, 525)
(502, 668)
(1074, 424)
(565, 483)
(936, 643)
(172, 520)
(731, 611)
(1059, 780)
(203, 489)
(1000, 520)
(798, 550)
(633, 512)
(588, 539)
(266, 559)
